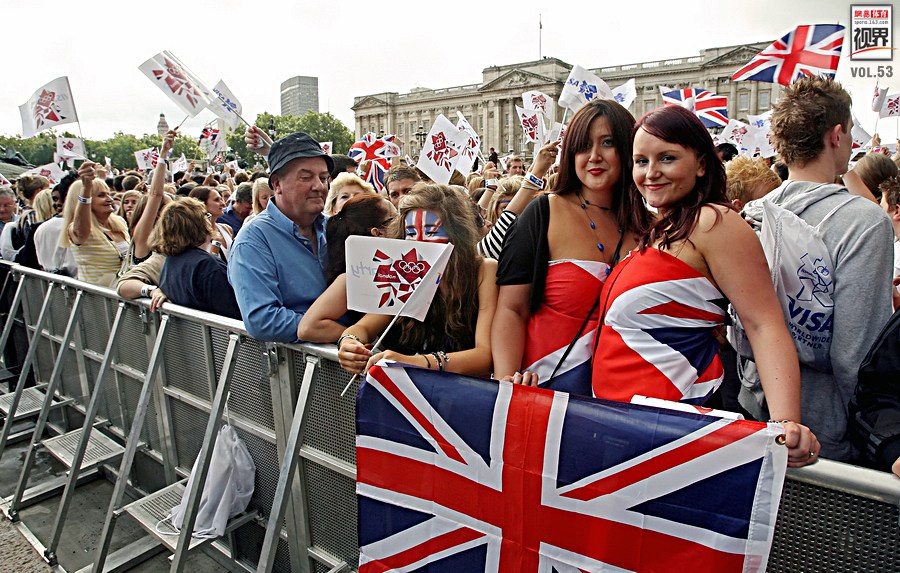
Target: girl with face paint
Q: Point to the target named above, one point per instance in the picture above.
(455, 335)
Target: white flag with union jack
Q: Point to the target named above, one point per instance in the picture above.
(391, 276)
(891, 107)
(469, 151)
(442, 146)
(176, 81)
(50, 105)
(532, 123)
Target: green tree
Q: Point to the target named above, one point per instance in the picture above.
(326, 127)
(37, 150)
(321, 126)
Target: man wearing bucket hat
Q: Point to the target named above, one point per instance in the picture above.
(277, 259)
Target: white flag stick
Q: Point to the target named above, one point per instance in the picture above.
(378, 342)
(182, 121)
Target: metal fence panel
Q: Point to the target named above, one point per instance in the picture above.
(823, 525)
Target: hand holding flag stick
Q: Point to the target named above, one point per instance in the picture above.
(376, 347)
(416, 304)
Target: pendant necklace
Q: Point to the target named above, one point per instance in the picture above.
(584, 207)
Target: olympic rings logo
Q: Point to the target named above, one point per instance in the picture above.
(411, 267)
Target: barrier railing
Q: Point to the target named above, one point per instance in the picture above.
(833, 517)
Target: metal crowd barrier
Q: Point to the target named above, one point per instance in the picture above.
(833, 517)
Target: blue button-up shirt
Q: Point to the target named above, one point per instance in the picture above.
(275, 275)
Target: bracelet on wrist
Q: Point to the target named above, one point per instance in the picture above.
(85, 200)
(147, 290)
(345, 337)
(428, 362)
(216, 244)
(533, 179)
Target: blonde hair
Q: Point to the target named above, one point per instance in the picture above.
(115, 223)
(43, 205)
(341, 181)
(744, 175)
(182, 224)
(261, 184)
(506, 189)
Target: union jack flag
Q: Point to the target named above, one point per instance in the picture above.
(807, 50)
(462, 474)
(374, 174)
(208, 133)
(373, 148)
(711, 108)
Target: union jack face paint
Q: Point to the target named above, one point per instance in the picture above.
(422, 225)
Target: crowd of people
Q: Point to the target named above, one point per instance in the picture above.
(625, 260)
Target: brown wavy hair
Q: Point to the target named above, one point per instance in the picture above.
(183, 224)
(631, 215)
(677, 125)
(451, 317)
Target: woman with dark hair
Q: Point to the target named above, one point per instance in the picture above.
(560, 251)
(662, 303)
(455, 335)
(222, 234)
(191, 276)
(369, 215)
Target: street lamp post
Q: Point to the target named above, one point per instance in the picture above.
(420, 136)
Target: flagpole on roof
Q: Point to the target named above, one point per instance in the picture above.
(540, 34)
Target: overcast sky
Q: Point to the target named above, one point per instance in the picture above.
(359, 48)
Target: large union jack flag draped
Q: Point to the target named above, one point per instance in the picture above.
(711, 108)
(461, 474)
(809, 50)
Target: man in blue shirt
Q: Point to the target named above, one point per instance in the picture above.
(276, 261)
(240, 208)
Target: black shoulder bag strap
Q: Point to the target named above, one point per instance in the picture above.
(590, 313)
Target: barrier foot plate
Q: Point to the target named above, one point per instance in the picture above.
(152, 511)
(100, 448)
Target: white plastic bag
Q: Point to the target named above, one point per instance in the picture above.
(228, 489)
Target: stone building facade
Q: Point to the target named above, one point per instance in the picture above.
(490, 106)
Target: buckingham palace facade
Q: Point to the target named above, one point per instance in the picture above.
(490, 106)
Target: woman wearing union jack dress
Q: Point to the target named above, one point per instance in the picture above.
(661, 304)
(560, 251)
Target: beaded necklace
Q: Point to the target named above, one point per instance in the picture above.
(584, 208)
